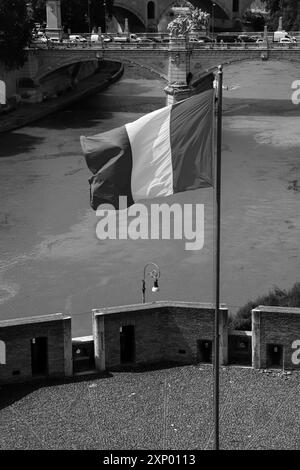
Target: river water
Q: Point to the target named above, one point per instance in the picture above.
(51, 260)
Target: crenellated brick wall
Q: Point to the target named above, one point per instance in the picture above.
(17, 336)
(164, 332)
(278, 326)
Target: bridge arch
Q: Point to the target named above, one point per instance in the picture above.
(143, 66)
(47, 70)
(252, 59)
(2, 92)
(120, 8)
(221, 9)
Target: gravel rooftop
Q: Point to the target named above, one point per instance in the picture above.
(165, 409)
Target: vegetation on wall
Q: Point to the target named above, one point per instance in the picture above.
(276, 297)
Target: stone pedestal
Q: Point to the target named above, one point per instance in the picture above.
(126, 29)
(54, 27)
(177, 92)
(179, 68)
(256, 347)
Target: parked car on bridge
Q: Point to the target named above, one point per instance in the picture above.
(77, 38)
(246, 38)
(145, 40)
(55, 40)
(287, 40)
(278, 35)
(40, 38)
(121, 39)
(205, 39)
(227, 38)
(106, 38)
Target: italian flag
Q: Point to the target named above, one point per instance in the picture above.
(162, 153)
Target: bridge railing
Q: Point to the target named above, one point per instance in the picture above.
(160, 46)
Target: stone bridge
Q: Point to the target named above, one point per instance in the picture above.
(158, 59)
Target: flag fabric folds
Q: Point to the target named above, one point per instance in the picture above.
(162, 153)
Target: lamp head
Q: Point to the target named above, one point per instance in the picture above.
(155, 287)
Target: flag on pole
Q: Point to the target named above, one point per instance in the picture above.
(162, 153)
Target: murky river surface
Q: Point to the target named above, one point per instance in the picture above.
(51, 260)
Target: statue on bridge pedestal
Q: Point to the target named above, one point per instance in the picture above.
(54, 25)
(180, 75)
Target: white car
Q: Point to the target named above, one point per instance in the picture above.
(287, 41)
(106, 38)
(41, 39)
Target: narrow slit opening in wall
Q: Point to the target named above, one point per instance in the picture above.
(39, 356)
(127, 344)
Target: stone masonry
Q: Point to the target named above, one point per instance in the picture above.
(17, 335)
(275, 327)
(164, 332)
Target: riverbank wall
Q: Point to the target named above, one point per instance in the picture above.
(63, 93)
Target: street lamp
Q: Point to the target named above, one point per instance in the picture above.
(213, 20)
(89, 14)
(104, 19)
(155, 274)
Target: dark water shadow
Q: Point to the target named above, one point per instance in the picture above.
(256, 107)
(14, 143)
(89, 113)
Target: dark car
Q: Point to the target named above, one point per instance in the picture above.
(227, 38)
(204, 39)
(245, 38)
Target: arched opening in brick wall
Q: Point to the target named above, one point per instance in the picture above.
(2, 353)
(236, 6)
(151, 11)
(2, 92)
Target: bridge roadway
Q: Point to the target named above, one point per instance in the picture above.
(155, 57)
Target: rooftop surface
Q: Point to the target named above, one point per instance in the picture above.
(157, 304)
(270, 309)
(166, 409)
(33, 320)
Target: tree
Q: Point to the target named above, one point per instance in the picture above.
(255, 19)
(199, 19)
(15, 27)
(288, 9)
(75, 13)
(39, 11)
(183, 24)
(180, 26)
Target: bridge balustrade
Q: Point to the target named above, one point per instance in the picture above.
(158, 46)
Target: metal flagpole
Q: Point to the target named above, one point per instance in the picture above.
(217, 258)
